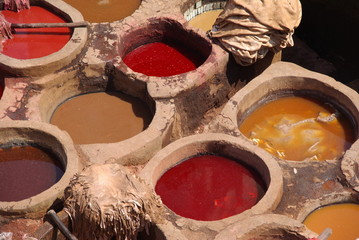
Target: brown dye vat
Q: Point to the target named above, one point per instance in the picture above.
(341, 218)
(104, 10)
(298, 128)
(26, 171)
(102, 117)
(205, 20)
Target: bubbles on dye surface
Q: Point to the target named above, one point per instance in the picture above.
(26, 171)
(209, 187)
(299, 128)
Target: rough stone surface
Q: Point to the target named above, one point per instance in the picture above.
(203, 101)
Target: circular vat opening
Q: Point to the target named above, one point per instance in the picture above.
(299, 125)
(266, 227)
(102, 117)
(37, 161)
(105, 10)
(27, 170)
(210, 187)
(203, 14)
(341, 218)
(30, 43)
(164, 48)
(210, 177)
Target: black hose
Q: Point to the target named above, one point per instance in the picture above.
(60, 225)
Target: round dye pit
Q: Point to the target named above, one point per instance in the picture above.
(105, 10)
(102, 117)
(36, 42)
(163, 59)
(26, 171)
(37, 161)
(217, 189)
(306, 116)
(161, 48)
(209, 187)
(299, 128)
(205, 20)
(342, 218)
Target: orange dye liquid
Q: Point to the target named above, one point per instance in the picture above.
(298, 128)
(104, 10)
(342, 218)
(102, 117)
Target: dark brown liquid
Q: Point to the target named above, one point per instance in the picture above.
(102, 117)
(26, 171)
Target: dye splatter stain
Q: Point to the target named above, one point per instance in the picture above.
(299, 128)
(26, 171)
(163, 59)
(36, 42)
(209, 188)
(102, 117)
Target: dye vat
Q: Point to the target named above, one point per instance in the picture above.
(299, 128)
(341, 218)
(105, 10)
(102, 117)
(209, 187)
(163, 59)
(36, 42)
(26, 171)
(205, 20)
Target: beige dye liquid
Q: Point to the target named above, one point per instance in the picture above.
(205, 20)
(343, 219)
(102, 117)
(104, 10)
(298, 128)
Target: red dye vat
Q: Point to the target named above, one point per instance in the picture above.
(209, 188)
(36, 42)
(163, 59)
(26, 171)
